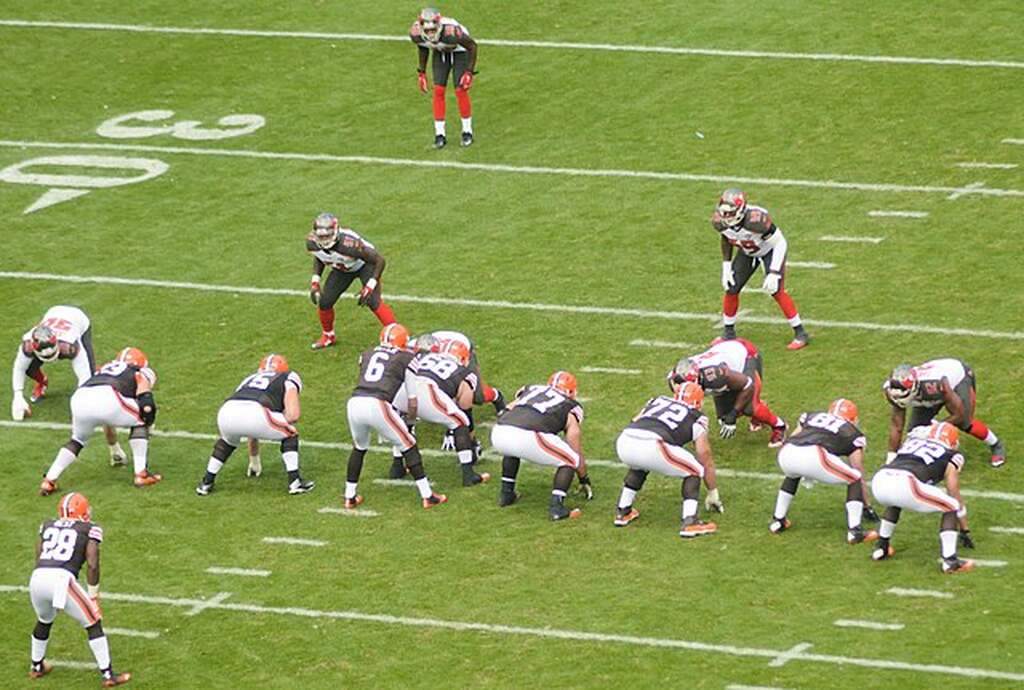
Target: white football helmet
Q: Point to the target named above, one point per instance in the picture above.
(44, 344)
(325, 230)
(901, 387)
(430, 24)
(732, 207)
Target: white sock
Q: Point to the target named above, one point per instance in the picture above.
(991, 439)
(63, 460)
(438, 127)
(467, 124)
(140, 448)
(782, 504)
(214, 465)
(795, 321)
(627, 497)
(350, 489)
(886, 528)
(728, 320)
(948, 539)
(101, 650)
(39, 649)
(465, 456)
(424, 487)
(689, 507)
(291, 460)
(854, 512)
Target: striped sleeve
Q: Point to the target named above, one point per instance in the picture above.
(295, 380)
(958, 462)
(96, 533)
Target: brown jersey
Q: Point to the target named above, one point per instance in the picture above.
(541, 408)
(445, 372)
(382, 372)
(64, 542)
(121, 377)
(831, 432)
(926, 459)
(267, 388)
(673, 421)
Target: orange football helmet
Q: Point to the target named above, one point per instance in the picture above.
(457, 350)
(564, 382)
(690, 394)
(74, 506)
(841, 407)
(275, 363)
(944, 433)
(395, 335)
(133, 356)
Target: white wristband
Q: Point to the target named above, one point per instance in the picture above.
(94, 591)
(315, 279)
(371, 284)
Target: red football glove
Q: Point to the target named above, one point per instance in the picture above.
(421, 78)
(466, 81)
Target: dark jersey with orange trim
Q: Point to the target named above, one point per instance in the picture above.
(267, 388)
(833, 433)
(673, 421)
(382, 372)
(926, 459)
(541, 408)
(445, 372)
(64, 542)
(120, 377)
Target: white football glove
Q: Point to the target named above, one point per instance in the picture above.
(255, 468)
(713, 502)
(771, 283)
(20, 408)
(889, 457)
(728, 277)
(449, 442)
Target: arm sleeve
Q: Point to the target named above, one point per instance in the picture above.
(410, 384)
(778, 253)
(21, 364)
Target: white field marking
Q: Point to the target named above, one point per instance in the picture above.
(965, 190)
(708, 317)
(1007, 530)
(852, 238)
(77, 665)
(507, 43)
(725, 472)
(611, 370)
(898, 214)
(733, 686)
(990, 166)
(351, 512)
(810, 264)
(520, 169)
(788, 655)
(293, 541)
(794, 654)
(904, 592)
(985, 563)
(244, 572)
(870, 625)
(1019, 142)
(662, 344)
(128, 632)
(203, 604)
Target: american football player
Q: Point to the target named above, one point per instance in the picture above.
(530, 428)
(119, 394)
(349, 256)
(731, 371)
(454, 52)
(815, 451)
(654, 442)
(64, 546)
(264, 406)
(761, 243)
(928, 457)
(929, 387)
(383, 371)
(63, 333)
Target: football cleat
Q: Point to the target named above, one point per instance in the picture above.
(693, 527)
(300, 486)
(204, 489)
(778, 435)
(354, 502)
(624, 516)
(777, 525)
(40, 669)
(146, 478)
(39, 390)
(800, 339)
(729, 333)
(883, 551)
(323, 341)
(111, 679)
(951, 566)
(998, 454)
(474, 478)
(857, 535)
(440, 141)
(467, 139)
(507, 498)
(47, 487)
(560, 512)
(434, 499)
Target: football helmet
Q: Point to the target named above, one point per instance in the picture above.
(426, 343)
(690, 394)
(841, 407)
(732, 207)
(943, 433)
(564, 383)
(902, 384)
(395, 335)
(133, 356)
(457, 350)
(430, 24)
(275, 363)
(325, 230)
(74, 506)
(44, 343)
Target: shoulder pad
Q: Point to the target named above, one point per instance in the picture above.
(311, 245)
(759, 221)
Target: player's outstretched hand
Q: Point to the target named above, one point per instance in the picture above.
(728, 276)
(421, 80)
(466, 81)
(20, 408)
(771, 283)
(965, 539)
(586, 488)
(714, 502)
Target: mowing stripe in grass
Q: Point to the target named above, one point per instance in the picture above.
(852, 238)
(244, 572)
(351, 512)
(1007, 530)
(128, 632)
(513, 43)
(293, 541)
(712, 318)
(521, 169)
(928, 593)
(869, 625)
(795, 653)
(662, 344)
(898, 214)
(611, 370)
(988, 166)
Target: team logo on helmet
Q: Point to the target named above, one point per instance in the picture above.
(395, 335)
(74, 506)
(44, 343)
(902, 384)
(841, 407)
(732, 207)
(325, 230)
(690, 394)
(564, 382)
(943, 433)
(276, 363)
(430, 24)
(132, 356)
(457, 350)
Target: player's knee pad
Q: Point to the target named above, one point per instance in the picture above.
(75, 446)
(222, 450)
(95, 631)
(42, 630)
(139, 432)
(290, 444)
(635, 479)
(790, 484)
(463, 441)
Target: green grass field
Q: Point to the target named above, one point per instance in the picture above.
(586, 605)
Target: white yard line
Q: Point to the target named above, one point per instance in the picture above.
(965, 190)
(869, 625)
(128, 632)
(203, 604)
(788, 655)
(519, 169)
(662, 344)
(776, 656)
(898, 214)
(406, 482)
(350, 512)
(904, 592)
(986, 563)
(852, 238)
(292, 541)
(1018, 142)
(810, 264)
(734, 686)
(513, 43)
(77, 665)
(708, 317)
(243, 572)
(988, 166)
(611, 370)
(1001, 495)
(1007, 530)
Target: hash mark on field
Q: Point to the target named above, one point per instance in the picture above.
(984, 563)
(214, 601)
(77, 665)
(244, 572)
(1019, 142)
(400, 482)
(352, 512)
(810, 264)
(796, 653)
(965, 190)
(611, 370)
(520, 169)
(991, 166)
(662, 343)
(785, 657)
(852, 238)
(898, 214)
(870, 625)
(128, 632)
(1007, 530)
(904, 592)
(294, 542)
